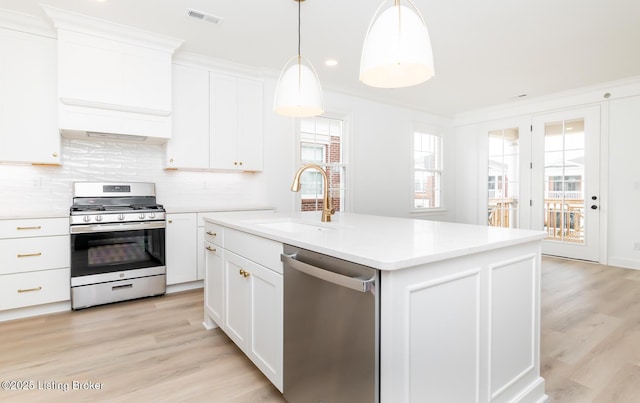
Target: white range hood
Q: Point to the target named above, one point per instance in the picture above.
(114, 81)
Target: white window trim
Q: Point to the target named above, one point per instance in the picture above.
(436, 131)
(347, 130)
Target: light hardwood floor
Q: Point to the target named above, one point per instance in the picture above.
(156, 350)
(590, 338)
(149, 350)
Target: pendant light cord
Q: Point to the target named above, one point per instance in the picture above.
(299, 1)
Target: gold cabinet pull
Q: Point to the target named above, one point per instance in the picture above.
(210, 249)
(211, 233)
(30, 289)
(29, 254)
(27, 228)
(55, 155)
(171, 160)
(169, 221)
(244, 273)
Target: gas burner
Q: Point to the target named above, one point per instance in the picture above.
(105, 203)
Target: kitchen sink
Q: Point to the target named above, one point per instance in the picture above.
(290, 225)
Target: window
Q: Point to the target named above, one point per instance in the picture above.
(427, 167)
(322, 142)
(503, 183)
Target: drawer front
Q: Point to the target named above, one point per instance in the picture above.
(214, 233)
(24, 228)
(21, 255)
(35, 288)
(263, 251)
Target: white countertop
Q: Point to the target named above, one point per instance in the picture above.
(177, 209)
(384, 243)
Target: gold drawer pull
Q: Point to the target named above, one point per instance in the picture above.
(211, 233)
(34, 227)
(30, 289)
(244, 273)
(29, 254)
(210, 249)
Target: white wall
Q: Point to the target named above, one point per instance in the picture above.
(382, 156)
(624, 182)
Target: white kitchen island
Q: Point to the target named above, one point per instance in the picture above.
(459, 304)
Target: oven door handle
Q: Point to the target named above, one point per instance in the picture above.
(125, 226)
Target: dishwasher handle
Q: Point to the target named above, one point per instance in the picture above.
(354, 283)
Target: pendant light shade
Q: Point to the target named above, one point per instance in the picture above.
(298, 92)
(397, 49)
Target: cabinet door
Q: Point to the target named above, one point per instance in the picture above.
(28, 99)
(236, 123)
(223, 122)
(266, 322)
(214, 283)
(237, 299)
(201, 256)
(189, 143)
(250, 124)
(181, 238)
(254, 313)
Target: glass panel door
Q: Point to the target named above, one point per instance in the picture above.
(503, 182)
(566, 182)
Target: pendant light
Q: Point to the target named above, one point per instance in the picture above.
(298, 92)
(397, 50)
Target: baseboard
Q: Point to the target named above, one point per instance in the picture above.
(192, 285)
(36, 310)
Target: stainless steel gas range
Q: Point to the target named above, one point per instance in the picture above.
(117, 243)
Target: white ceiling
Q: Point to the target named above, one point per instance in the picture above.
(486, 52)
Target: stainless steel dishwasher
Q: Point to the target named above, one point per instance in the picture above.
(331, 329)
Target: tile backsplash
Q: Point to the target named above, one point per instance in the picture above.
(26, 188)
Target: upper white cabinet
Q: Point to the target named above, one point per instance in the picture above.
(217, 121)
(189, 144)
(28, 113)
(111, 78)
(236, 123)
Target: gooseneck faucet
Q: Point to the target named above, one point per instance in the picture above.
(327, 211)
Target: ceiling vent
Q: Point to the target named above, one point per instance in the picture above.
(199, 15)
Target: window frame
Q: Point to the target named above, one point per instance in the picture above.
(419, 127)
(346, 119)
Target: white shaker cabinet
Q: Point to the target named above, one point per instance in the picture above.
(181, 248)
(28, 96)
(217, 121)
(244, 295)
(253, 315)
(35, 263)
(189, 144)
(214, 284)
(236, 123)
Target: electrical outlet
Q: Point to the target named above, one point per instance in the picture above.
(636, 246)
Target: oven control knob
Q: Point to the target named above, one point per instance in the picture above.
(141, 216)
(98, 218)
(86, 218)
(120, 217)
(152, 215)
